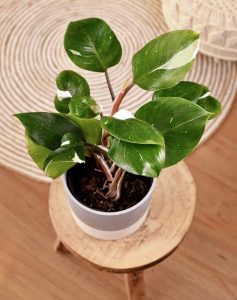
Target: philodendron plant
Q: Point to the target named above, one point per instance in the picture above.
(161, 133)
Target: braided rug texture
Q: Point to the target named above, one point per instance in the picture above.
(32, 54)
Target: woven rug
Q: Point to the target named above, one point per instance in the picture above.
(32, 54)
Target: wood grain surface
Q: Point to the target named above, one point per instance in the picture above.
(203, 267)
(167, 223)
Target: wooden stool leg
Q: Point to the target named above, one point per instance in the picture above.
(135, 287)
(58, 246)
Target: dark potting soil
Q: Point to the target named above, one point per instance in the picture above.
(86, 181)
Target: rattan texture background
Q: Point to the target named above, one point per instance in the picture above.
(32, 54)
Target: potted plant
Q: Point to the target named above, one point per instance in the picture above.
(110, 162)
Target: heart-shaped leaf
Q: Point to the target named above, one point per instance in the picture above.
(164, 61)
(180, 121)
(69, 83)
(92, 45)
(37, 152)
(62, 159)
(146, 160)
(90, 128)
(194, 92)
(132, 131)
(84, 107)
(47, 129)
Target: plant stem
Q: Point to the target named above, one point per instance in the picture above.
(116, 185)
(109, 85)
(96, 149)
(126, 88)
(113, 167)
(104, 166)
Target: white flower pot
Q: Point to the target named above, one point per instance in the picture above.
(109, 225)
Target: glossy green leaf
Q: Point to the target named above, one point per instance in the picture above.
(84, 107)
(69, 83)
(70, 140)
(92, 45)
(132, 131)
(194, 92)
(62, 104)
(164, 61)
(72, 82)
(37, 152)
(180, 121)
(211, 105)
(146, 160)
(185, 89)
(90, 128)
(62, 159)
(47, 129)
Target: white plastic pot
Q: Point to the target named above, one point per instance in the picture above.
(109, 225)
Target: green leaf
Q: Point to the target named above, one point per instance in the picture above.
(90, 127)
(84, 107)
(92, 45)
(69, 83)
(47, 129)
(70, 140)
(37, 152)
(180, 121)
(132, 131)
(62, 104)
(146, 160)
(194, 92)
(211, 105)
(164, 61)
(185, 89)
(62, 159)
(72, 82)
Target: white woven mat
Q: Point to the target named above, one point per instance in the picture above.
(32, 54)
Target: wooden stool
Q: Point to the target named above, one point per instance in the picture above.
(169, 219)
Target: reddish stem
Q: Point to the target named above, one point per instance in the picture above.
(120, 97)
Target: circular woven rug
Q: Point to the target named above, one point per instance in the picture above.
(32, 54)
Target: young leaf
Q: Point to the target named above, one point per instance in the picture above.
(90, 128)
(132, 131)
(62, 104)
(62, 159)
(164, 61)
(69, 83)
(194, 92)
(47, 129)
(180, 121)
(146, 160)
(84, 107)
(92, 45)
(37, 152)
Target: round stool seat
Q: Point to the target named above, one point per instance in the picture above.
(167, 223)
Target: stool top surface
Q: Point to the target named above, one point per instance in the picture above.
(167, 223)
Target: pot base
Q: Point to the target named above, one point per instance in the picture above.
(109, 235)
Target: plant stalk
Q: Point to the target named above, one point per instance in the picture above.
(126, 88)
(105, 168)
(116, 185)
(109, 85)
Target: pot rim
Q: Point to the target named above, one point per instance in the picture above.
(103, 213)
